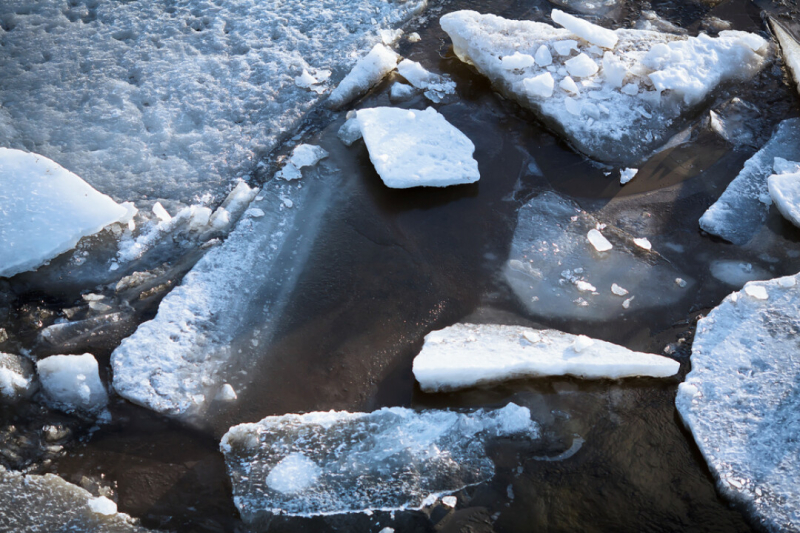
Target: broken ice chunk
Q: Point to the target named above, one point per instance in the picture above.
(541, 85)
(643, 242)
(585, 30)
(303, 155)
(784, 189)
(581, 66)
(367, 73)
(350, 131)
(597, 240)
(619, 291)
(791, 50)
(102, 505)
(739, 213)
(565, 47)
(436, 87)
(497, 356)
(518, 61)
(226, 393)
(572, 106)
(72, 383)
(740, 400)
(400, 92)
(45, 210)
(161, 213)
(614, 70)
(340, 462)
(411, 148)
(17, 379)
(450, 501)
(568, 84)
(305, 80)
(543, 56)
(627, 175)
(389, 37)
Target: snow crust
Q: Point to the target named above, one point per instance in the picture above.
(17, 379)
(666, 78)
(72, 383)
(466, 355)
(411, 148)
(45, 210)
(367, 73)
(742, 209)
(172, 100)
(791, 51)
(741, 399)
(555, 270)
(784, 189)
(341, 462)
(43, 504)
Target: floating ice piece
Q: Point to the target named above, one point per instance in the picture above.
(17, 380)
(634, 124)
(389, 37)
(340, 462)
(72, 383)
(48, 503)
(412, 148)
(350, 131)
(303, 155)
(551, 239)
(585, 30)
(226, 393)
(791, 50)
(436, 87)
(741, 399)
(400, 92)
(627, 175)
(45, 210)
(451, 360)
(741, 210)
(643, 243)
(597, 240)
(541, 85)
(784, 189)
(619, 291)
(738, 122)
(367, 73)
(450, 501)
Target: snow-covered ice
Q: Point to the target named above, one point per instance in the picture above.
(627, 175)
(303, 155)
(411, 148)
(435, 87)
(790, 49)
(45, 210)
(47, 503)
(552, 253)
(72, 383)
(466, 355)
(340, 462)
(741, 399)
(741, 210)
(367, 73)
(784, 189)
(673, 76)
(17, 379)
(170, 101)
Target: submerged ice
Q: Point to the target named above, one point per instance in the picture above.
(562, 265)
(340, 462)
(741, 399)
(621, 94)
(465, 355)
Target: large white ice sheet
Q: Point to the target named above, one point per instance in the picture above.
(172, 100)
(742, 209)
(45, 210)
(741, 399)
(340, 462)
(412, 148)
(634, 95)
(465, 355)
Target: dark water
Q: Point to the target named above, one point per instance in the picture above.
(389, 266)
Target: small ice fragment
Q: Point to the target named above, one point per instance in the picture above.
(581, 66)
(305, 80)
(370, 70)
(289, 172)
(414, 37)
(581, 343)
(389, 37)
(787, 282)
(585, 286)
(161, 213)
(585, 30)
(226, 393)
(597, 240)
(543, 56)
(72, 383)
(449, 501)
(254, 212)
(307, 155)
(643, 243)
(564, 48)
(573, 106)
(294, 473)
(619, 291)
(400, 92)
(614, 70)
(568, 84)
(102, 505)
(759, 292)
(631, 89)
(350, 131)
(287, 202)
(517, 61)
(627, 175)
(627, 303)
(541, 85)
(680, 282)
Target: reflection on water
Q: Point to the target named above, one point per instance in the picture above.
(388, 266)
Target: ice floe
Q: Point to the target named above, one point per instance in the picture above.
(741, 399)
(636, 88)
(411, 148)
(742, 209)
(72, 383)
(303, 155)
(340, 462)
(465, 355)
(45, 210)
(43, 504)
(558, 251)
(174, 101)
(784, 189)
(367, 73)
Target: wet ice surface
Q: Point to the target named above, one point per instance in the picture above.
(561, 265)
(741, 399)
(339, 462)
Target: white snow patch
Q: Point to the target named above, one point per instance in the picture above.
(619, 291)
